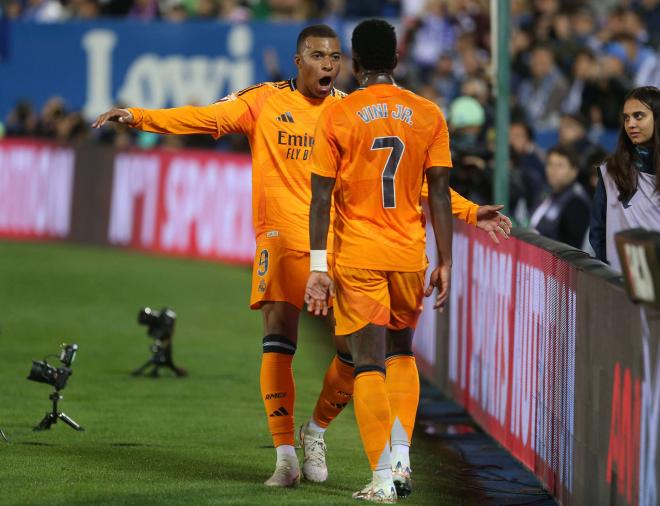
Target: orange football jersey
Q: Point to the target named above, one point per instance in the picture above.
(377, 143)
(279, 122)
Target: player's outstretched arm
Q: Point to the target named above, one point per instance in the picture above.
(115, 115)
(319, 285)
(188, 119)
(487, 218)
(441, 219)
(493, 222)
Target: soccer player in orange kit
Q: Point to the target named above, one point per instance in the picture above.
(279, 120)
(374, 149)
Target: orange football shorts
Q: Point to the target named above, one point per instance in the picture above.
(363, 296)
(279, 274)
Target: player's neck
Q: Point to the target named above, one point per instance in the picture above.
(369, 77)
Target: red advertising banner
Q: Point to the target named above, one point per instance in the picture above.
(190, 203)
(36, 188)
(512, 349)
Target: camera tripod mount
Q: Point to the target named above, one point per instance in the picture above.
(162, 357)
(52, 417)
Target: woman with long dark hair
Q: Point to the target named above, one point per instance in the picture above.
(628, 191)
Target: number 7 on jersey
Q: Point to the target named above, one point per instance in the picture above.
(397, 147)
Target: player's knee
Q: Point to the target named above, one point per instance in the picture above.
(278, 343)
(399, 342)
(281, 318)
(345, 358)
(361, 369)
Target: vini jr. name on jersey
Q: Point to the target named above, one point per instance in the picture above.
(373, 112)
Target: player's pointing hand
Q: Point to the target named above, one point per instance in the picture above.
(117, 115)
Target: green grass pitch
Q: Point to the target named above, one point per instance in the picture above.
(200, 440)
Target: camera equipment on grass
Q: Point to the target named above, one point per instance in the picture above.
(44, 372)
(160, 326)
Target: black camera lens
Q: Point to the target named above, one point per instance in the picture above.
(148, 316)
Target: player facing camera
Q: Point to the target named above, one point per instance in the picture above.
(160, 326)
(44, 372)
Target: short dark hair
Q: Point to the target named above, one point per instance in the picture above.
(567, 153)
(374, 44)
(314, 31)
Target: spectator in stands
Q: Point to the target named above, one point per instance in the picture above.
(583, 23)
(564, 214)
(444, 80)
(573, 130)
(427, 37)
(52, 112)
(585, 69)
(22, 120)
(44, 11)
(289, 10)
(469, 151)
(603, 95)
(527, 173)
(649, 72)
(145, 10)
(84, 9)
(232, 10)
(544, 92)
(649, 11)
(628, 191)
(564, 45)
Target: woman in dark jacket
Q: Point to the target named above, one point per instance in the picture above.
(628, 191)
(564, 214)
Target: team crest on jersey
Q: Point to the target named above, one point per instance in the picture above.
(228, 98)
(263, 265)
(262, 286)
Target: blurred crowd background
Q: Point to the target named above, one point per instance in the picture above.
(572, 63)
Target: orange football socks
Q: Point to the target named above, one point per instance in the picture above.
(402, 384)
(278, 389)
(337, 390)
(372, 411)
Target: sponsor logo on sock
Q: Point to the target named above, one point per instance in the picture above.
(281, 411)
(344, 394)
(275, 395)
(337, 405)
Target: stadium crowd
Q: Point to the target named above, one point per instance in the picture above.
(572, 65)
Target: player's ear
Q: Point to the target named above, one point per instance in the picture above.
(297, 59)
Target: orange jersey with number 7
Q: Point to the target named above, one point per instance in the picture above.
(377, 143)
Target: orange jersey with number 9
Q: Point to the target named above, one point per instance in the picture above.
(377, 143)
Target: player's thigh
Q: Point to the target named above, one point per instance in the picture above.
(361, 298)
(406, 294)
(279, 274)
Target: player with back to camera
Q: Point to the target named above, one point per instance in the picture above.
(373, 150)
(279, 120)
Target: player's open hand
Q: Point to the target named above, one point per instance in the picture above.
(117, 115)
(318, 292)
(440, 278)
(492, 221)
